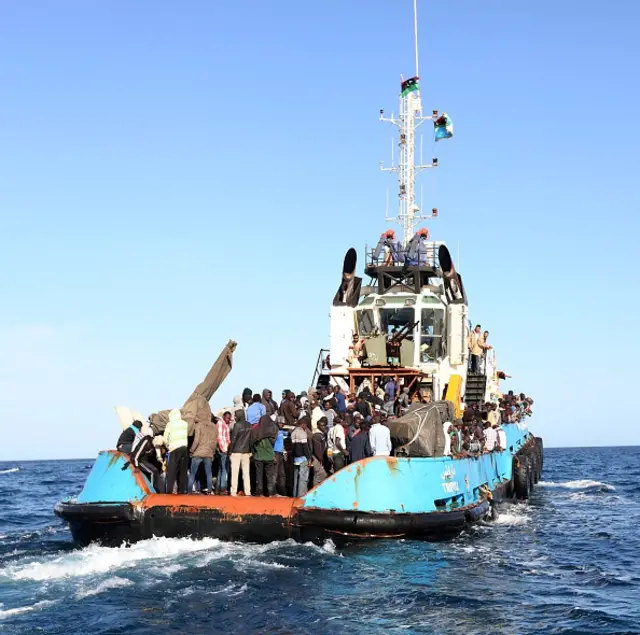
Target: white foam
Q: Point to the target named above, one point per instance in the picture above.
(512, 519)
(580, 484)
(26, 609)
(109, 583)
(96, 559)
(11, 470)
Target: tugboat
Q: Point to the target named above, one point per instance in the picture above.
(410, 323)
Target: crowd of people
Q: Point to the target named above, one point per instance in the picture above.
(260, 447)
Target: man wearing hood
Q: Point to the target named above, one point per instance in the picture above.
(126, 439)
(203, 450)
(176, 438)
(267, 401)
(240, 450)
(263, 438)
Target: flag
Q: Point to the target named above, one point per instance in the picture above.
(443, 127)
(409, 86)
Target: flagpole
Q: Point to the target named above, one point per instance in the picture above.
(415, 32)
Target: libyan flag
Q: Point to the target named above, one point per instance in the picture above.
(409, 86)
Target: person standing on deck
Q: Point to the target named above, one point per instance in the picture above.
(289, 410)
(240, 449)
(224, 441)
(278, 448)
(256, 411)
(380, 438)
(301, 453)
(247, 398)
(176, 436)
(475, 350)
(490, 434)
(360, 444)
(203, 450)
(341, 402)
(316, 414)
(267, 401)
(263, 438)
(337, 447)
(319, 448)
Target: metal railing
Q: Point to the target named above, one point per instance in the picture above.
(427, 256)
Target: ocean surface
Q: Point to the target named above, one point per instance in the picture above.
(568, 561)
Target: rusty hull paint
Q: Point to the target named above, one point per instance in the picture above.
(230, 506)
(140, 479)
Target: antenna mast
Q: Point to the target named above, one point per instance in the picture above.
(408, 121)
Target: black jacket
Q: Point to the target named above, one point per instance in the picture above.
(240, 438)
(360, 447)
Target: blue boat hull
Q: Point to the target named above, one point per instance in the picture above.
(380, 497)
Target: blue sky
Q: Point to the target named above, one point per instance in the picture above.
(178, 174)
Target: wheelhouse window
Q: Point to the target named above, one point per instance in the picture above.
(431, 335)
(366, 323)
(393, 320)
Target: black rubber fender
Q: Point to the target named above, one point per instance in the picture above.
(521, 477)
(534, 462)
(540, 447)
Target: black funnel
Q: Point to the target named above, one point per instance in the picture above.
(349, 290)
(452, 280)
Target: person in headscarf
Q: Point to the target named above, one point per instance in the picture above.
(263, 438)
(176, 437)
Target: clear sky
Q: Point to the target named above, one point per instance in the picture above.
(173, 175)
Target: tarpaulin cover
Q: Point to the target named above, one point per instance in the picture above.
(197, 408)
(420, 431)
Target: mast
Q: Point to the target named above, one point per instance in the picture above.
(407, 122)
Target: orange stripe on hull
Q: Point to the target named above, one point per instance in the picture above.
(228, 505)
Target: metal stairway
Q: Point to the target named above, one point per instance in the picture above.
(475, 388)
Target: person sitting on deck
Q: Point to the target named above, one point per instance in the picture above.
(301, 453)
(203, 450)
(240, 449)
(127, 437)
(256, 410)
(263, 438)
(380, 438)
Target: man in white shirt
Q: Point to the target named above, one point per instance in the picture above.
(380, 438)
(490, 436)
(337, 447)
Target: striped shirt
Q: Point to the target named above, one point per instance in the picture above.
(224, 436)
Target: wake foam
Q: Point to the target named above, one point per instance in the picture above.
(25, 609)
(95, 559)
(10, 470)
(157, 555)
(580, 484)
(106, 585)
(512, 519)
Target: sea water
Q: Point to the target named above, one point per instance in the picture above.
(568, 561)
